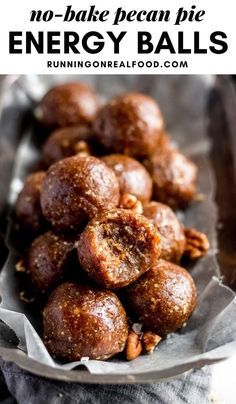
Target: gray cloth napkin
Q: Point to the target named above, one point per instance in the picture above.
(18, 386)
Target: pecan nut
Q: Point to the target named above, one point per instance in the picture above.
(197, 244)
(150, 341)
(129, 201)
(133, 346)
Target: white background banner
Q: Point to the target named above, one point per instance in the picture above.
(118, 37)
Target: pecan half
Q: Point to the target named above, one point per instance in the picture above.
(150, 341)
(129, 201)
(197, 244)
(133, 346)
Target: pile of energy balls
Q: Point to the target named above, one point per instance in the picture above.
(107, 241)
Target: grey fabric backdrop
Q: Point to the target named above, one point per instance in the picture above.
(17, 386)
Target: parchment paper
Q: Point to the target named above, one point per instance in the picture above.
(210, 335)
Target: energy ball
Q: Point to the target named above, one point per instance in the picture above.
(80, 321)
(174, 178)
(68, 104)
(132, 176)
(49, 260)
(163, 298)
(28, 208)
(67, 142)
(117, 247)
(130, 124)
(75, 190)
(171, 230)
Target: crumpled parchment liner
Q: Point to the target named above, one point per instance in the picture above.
(211, 332)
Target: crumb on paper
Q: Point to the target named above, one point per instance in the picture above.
(137, 328)
(26, 299)
(20, 266)
(84, 359)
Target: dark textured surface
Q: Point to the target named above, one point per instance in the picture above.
(131, 124)
(117, 246)
(174, 178)
(133, 178)
(68, 104)
(75, 190)
(163, 298)
(50, 260)
(170, 229)
(28, 208)
(65, 142)
(221, 130)
(81, 321)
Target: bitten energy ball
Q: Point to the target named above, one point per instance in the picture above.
(49, 260)
(67, 142)
(174, 178)
(171, 230)
(80, 321)
(162, 299)
(76, 189)
(117, 247)
(132, 176)
(130, 124)
(68, 104)
(28, 208)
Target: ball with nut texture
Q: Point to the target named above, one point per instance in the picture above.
(162, 299)
(68, 104)
(28, 208)
(171, 230)
(66, 142)
(75, 190)
(117, 247)
(49, 260)
(80, 321)
(130, 124)
(174, 178)
(133, 177)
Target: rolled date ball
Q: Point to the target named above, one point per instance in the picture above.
(170, 229)
(132, 176)
(68, 104)
(49, 260)
(130, 124)
(28, 208)
(66, 142)
(76, 189)
(117, 247)
(174, 178)
(162, 299)
(80, 321)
